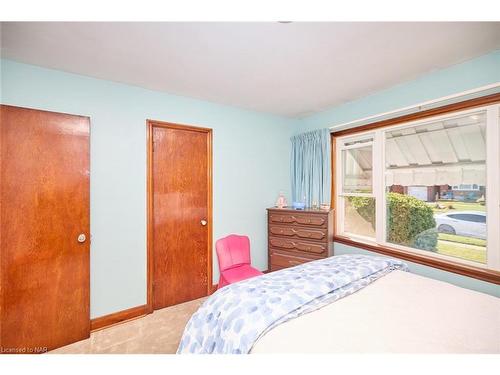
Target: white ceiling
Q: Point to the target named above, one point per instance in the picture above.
(291, 69)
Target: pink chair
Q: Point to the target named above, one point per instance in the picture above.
(233, 253)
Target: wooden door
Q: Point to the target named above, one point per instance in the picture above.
(44, 209)
(180, 213)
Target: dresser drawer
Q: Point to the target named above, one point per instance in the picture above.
(317, 220)
(283, 260)
(312, 248)
(319, 234)
(296, 237)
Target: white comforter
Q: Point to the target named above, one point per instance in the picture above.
(399, 313)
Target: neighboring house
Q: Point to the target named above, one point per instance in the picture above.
(462, 192)
(424, 193)
(467, 192)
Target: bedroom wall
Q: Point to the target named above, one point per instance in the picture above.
(251, 156)
(246, 179)
(468, 75)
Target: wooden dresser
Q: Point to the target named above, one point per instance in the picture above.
(298, 236)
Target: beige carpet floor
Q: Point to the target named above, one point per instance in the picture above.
(159, 332)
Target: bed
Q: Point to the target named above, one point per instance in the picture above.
(344, 304)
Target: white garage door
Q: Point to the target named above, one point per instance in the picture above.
(419, 192)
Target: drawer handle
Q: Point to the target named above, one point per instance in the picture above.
(294, 262)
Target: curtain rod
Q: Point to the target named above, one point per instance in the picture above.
(450, 99)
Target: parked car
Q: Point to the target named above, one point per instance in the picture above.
(462, 223)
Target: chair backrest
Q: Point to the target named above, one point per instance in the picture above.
(232, 251)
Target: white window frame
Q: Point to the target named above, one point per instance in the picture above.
(378, 184)
(340, 179)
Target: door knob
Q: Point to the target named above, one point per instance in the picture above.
(203, 222)
(81, 238)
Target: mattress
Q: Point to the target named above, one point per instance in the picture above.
(399, 313)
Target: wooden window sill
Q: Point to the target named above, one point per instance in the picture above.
(483, 274)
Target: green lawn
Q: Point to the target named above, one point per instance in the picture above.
(469, 248)
(457, 206)
(462, 239)
(473, 249)
(463, 251)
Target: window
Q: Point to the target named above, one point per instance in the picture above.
(357, 169)
(358, 203)
(430, 187)
(466, 187)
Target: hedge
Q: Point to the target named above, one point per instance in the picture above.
(408, 218)
(427, 240)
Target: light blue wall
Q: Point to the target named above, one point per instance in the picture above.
(251, 158)
(434, 273)
(471, 74)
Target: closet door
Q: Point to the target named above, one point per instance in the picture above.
(45, 241)
(180, 221)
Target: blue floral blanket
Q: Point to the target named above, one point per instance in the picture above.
(233, 318)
